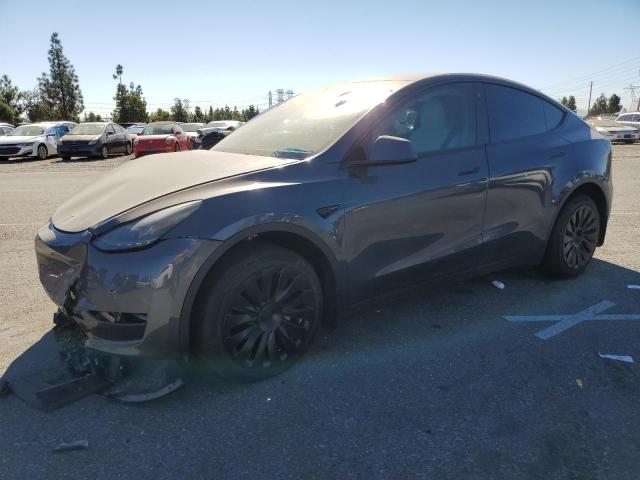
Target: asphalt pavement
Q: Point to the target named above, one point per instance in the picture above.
(451, 382)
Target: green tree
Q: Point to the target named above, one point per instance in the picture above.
(160, 115)
(198, 116)
(35, 107)
(180, 110)
(249, 112)
(60, 89)
(571, 104)
(11, 99)
(613, 105)
(209, 116)
(564, 101)
(92, 117)
(599, 106)
(130, 104)
(118, 74)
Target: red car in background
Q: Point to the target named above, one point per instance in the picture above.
(160, 137)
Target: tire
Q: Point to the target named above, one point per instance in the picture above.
(43, 153)
(574, 238)
(257, 313)
(128, 149)
(177, 147)
(104, 152)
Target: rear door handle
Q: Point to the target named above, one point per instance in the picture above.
(464, 173)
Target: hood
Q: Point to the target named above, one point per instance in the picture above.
(16, 139)
(140, 181)
(616, 129)
(142, 138)
(206, 130)
(75, 138)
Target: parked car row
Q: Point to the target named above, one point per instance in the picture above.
(101, 139)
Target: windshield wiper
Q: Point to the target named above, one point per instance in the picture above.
(295, 153)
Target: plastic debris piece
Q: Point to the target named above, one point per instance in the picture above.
(579, 383)
(498, 285)
(619, 358)
(268, 399)
(633, 287)
(71, 446)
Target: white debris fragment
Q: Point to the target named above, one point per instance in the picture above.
(633, 287)
(619, 358)
(498, 285)
(71, 446)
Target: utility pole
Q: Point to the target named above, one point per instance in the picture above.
(270, 99)
(589, 104)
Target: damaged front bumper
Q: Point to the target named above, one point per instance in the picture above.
(119, 312)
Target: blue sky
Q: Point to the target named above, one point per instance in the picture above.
(236, 51)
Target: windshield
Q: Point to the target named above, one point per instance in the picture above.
(221, 124)
(158, 130)
(88, 129)
(308, 123)
(135, 129)
(27, 131)
(191, 127)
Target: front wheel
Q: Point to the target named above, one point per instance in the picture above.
(127, 150)
(104, 152)
(43, 153)
(258, 313)
(574, 238)
(177, 147)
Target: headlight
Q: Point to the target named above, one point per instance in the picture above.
(25, 144)
(169, 140)
(94, 141)
(146, 230)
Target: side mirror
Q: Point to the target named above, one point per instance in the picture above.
(388, 150)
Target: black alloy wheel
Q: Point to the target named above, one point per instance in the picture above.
(269, 317)
(580, 237)
(104, 152)
(574, 238)
(128, 149)
(257, 312)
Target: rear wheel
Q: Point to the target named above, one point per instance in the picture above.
(43, 153)
(258, 314)
(574, 238)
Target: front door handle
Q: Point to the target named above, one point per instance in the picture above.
(464, 173)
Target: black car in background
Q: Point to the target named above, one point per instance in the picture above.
(215, 131)
(95, 139)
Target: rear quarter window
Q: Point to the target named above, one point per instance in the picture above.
(553, 115)
(513, 113)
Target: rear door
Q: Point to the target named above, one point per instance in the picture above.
(416, 221)
(524, 150)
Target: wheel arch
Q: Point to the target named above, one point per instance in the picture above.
(293, 237)
(596, 193)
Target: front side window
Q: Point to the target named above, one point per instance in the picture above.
(513, 113)
(443, 118)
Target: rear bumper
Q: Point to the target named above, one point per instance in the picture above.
(144, 150)
(125, 303)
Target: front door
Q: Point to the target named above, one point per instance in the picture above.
(416, 221)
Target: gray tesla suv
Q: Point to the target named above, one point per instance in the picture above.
(236, 255)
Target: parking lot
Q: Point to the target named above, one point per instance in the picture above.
(432, 384)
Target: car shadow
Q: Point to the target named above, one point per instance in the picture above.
(20, 160)
(403, 322)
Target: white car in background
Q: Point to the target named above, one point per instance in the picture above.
(615, 131)
(631, 119)
(5, 128)
(34, 140)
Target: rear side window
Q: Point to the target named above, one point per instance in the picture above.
(513, 113)
(636, 118)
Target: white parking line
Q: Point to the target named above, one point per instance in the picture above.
(564, 322)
